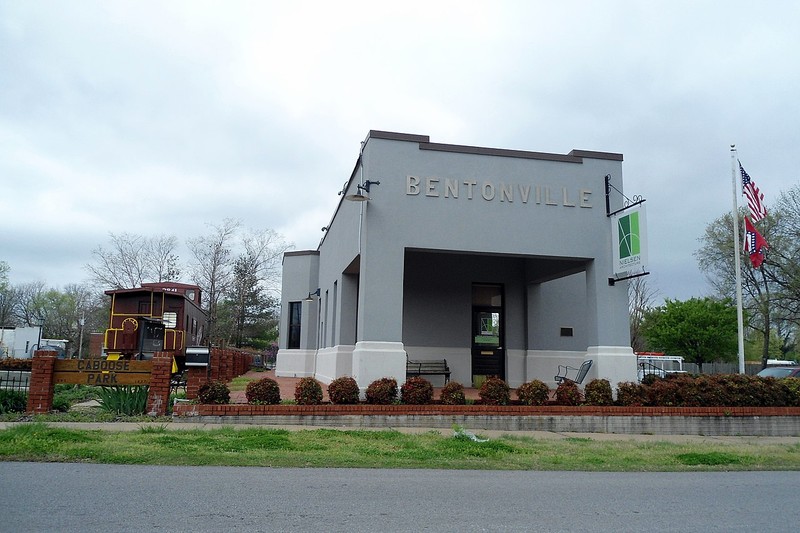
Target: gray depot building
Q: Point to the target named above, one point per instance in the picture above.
(497, 260)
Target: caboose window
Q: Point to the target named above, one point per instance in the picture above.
(170, 319)
(293, 342)
(144, 308)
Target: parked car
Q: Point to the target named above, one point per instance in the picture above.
(780, 372)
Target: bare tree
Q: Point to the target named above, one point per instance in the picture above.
(7, 297)
(134, 259)
(640, 301)
(213, 267)
(29, 309)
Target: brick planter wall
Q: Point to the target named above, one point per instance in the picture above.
(769, 421)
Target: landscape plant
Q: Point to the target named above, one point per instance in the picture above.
(344, 391)
(495, 391)
(263, 391)
(129, 400)
(568, 393)
(308, 392)
(382, 391)
(630, 393)
(598, 392)
(12, 401)
(214, 392)
(534, 392)
(416, 391)
(452, 394)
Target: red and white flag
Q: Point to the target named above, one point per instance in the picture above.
(754, 244)
(755, 200)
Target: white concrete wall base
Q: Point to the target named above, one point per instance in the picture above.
(614, 363)
(334, 362)
(378, 359)
(294, 363)
(543, 364)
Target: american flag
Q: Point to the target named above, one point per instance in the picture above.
(755, 200)
(754, 244)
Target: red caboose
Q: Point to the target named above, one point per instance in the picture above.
(156, 317)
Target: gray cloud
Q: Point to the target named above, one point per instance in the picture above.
(255, 110)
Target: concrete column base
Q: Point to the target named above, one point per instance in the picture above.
(377, 359)
(614, 363)
(295, 363)
(333, 363)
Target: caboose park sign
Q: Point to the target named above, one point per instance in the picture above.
(102, 372)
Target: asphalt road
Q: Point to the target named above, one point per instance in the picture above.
(89, 497)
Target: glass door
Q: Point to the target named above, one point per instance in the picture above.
(488, 357)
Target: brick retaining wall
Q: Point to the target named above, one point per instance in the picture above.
(771, 421)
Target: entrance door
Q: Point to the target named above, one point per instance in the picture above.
(488, 356)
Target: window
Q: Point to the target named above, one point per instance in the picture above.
(293, 342)
(170, 319)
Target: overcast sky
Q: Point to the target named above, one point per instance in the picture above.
(159, 117)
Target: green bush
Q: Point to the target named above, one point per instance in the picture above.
(495, 391)
(214, 392)
(630, 394)
(598, 392)
(793, 387)
(263, 391)
(12, 401)
(308, 392)
(382, 391)
(129, 400)
(416, 391)
(344, 391)
(568, 393)
(452, 394)
(534, 392)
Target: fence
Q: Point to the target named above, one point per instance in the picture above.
(16, 380)
(751, 369)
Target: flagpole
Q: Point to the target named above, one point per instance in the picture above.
(737, 262)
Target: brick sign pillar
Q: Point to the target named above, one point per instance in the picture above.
(40, 387)
(158, 397)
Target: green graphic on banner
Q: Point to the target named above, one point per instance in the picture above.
(628, 234)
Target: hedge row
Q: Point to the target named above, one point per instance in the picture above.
(724, 390)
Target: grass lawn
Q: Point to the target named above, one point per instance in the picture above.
(160, 445)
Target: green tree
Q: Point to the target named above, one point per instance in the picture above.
(701, 330)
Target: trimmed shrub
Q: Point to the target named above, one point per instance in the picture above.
(793, 387)
(453, 394)
(598, 392)
(343, 391)
(416, 391)
(495, 391)
(214, 392)
(382, 391)
(264, 391)
(568, 393)
(630, 394)
(308, 392)
(534, 392)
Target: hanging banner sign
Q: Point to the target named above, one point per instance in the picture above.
(629, 241)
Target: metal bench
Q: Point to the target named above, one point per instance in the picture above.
(580, 373)
(436, 367)
(177, 381)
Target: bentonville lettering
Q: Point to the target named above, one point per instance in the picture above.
(436, 187)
